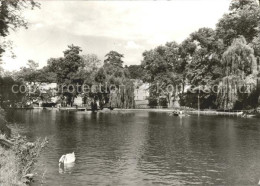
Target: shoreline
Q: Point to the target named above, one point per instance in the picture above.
(192, 112)
(168, 110)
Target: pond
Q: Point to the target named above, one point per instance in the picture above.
(143, 148)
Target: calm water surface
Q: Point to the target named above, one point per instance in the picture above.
(144, 148)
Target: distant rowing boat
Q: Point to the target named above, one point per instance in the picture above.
(71, 109)
(178, 113)
(249, 115)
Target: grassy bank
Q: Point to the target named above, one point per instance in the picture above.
(18, 162)
(9, 169)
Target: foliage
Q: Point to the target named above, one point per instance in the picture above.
(2, 114)
(135, 71)
(209, 57)
(158, 61)
(28, 73)
(20, 160)
(204, 62)
(228, 55)
(66, 69)
(27, 153)
(256, 46)
(163, 102)
(162, 68)
(11, 18)
(153, 101)
(243, 19)
(121, 91)
(9, 169)
(7, 96)
(3, 128)
(32, 74)
(114, 58)
(91, 62)
(196, 96)
(240, 71)
(239, 58)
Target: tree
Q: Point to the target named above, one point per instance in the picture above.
(113, 68)
(28, 73)
(243, 19)
(204, 64)
(162, 67)
(256, 46)
(114, 58)
(116, 88)
(1, 68)
(11, 17)
(91, 62)
(90, 66)
(66, 69)
(240, 71)
(32, 65)
(100, 76)
(7, 97)
(155, 62)
(239, 59)
(135, 71)
(10, 14)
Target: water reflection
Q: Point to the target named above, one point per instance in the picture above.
(66, 168)
(145, 148)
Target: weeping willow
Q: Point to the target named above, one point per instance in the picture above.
(240, 78)
(123, 96)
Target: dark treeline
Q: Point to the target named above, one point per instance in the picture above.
(74, 72)
(226, 59)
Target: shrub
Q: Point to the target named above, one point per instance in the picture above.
(48, 104)
(163, 102)
(2, 114)
(3, 128)
(153, 102)
(27, 153)
(9, 169)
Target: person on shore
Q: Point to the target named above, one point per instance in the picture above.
(92, 105)
(98, 104)
(95, 106)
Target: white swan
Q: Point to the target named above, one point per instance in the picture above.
(66, 168)
(68, 158)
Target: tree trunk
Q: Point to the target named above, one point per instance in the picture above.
(4, 129)
(6, 143)
(169, 100)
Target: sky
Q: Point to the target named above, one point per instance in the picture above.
(129, 27)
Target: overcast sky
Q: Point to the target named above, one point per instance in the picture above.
(129, 27)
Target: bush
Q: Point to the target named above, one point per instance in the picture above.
(153, 102)
(3, 128)
(48, 104)
(9, 169)
(163, 102)
(27, 153)
(2, 114)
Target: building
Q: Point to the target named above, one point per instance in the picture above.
(41, 93)
(141, 93)
(78, 101)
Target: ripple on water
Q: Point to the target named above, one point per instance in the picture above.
(145, 148)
